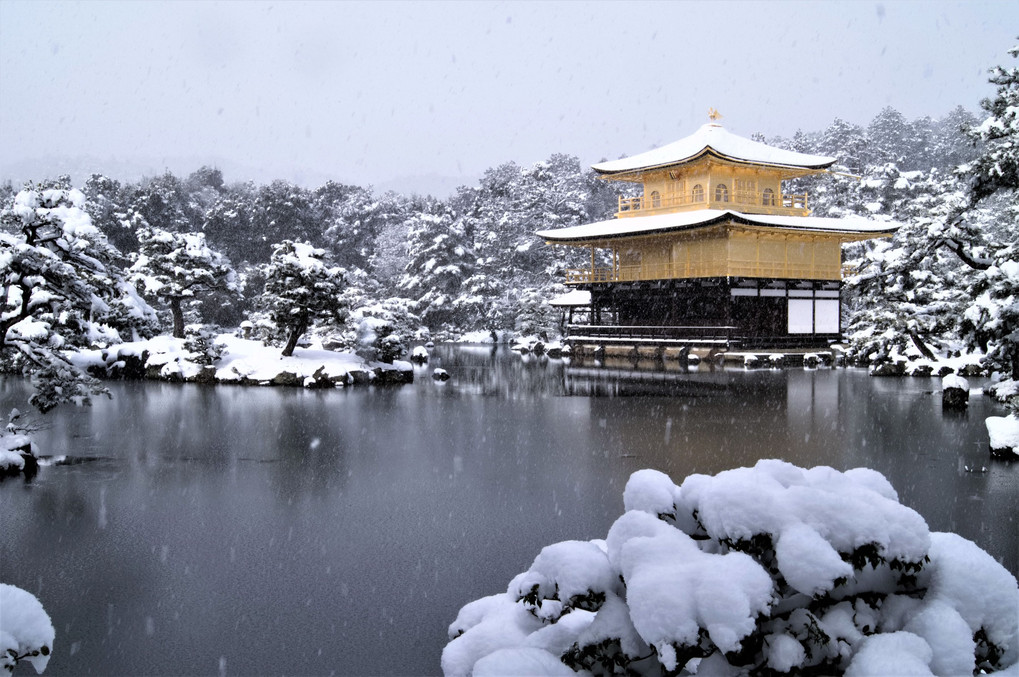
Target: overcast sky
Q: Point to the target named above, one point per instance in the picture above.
(372, 93)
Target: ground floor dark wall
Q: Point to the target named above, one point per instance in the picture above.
(755, 308)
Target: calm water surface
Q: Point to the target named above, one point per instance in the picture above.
(243, 531)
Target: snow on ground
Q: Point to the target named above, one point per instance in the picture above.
(242, 361)
(25, 628)
(952, 360)
(481, 336)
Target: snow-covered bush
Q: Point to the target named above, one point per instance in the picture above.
(771, 568)
(26, 632)
(203, 344)
(377, 341)
(17, 452)
(377, 331)
(533, 313)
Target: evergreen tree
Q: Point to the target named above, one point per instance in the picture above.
(441, 260)
(62, 289)
(175, 267)
(355, 222)
(165, 202)
(997, 166)
(953, 269)
(992, 320)
(7, 193)
(228, 224)
(105, 202)
(282, 211)
(847, 143)
(300, 287)
(890, 139)
(952, 146)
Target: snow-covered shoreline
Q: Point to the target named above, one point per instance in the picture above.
(243, 362)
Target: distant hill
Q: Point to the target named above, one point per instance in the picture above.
(81, 167)
(427, 184)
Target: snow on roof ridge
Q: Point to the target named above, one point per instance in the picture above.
(714, 137)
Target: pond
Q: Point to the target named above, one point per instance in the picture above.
(239, 530)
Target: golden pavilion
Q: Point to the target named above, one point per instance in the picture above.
(713, 251)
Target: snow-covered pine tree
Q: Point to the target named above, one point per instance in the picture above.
(906, 292)
(441, 260)
(205, 178)
(175, 267)
(947, 270)
(890, 139)
(301, 286)
(105, 202)
(909, 291)
(62, 289)
(282, 211)
(992, 321)
(353, 221)
(227, 225)
(500, 216)
(166, 202)
(950, 146)
(997, 167)
(845, 142)
(510, 204)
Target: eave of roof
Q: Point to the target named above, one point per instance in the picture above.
(665, 223)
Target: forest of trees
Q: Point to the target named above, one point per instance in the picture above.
(199, 249)
(471, 261)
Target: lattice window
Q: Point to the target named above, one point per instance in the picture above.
(746, 191)
(721, 193)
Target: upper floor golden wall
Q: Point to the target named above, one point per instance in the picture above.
(713, 184)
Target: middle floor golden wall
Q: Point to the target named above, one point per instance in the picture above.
(731, 251)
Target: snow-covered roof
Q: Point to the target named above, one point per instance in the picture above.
(659, 223)
(577, 297)
(713, 138)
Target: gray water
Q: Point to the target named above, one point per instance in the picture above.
(235, 530)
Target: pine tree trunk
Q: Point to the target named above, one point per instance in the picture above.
(296, 332)
(178, 317)
(921, 346)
